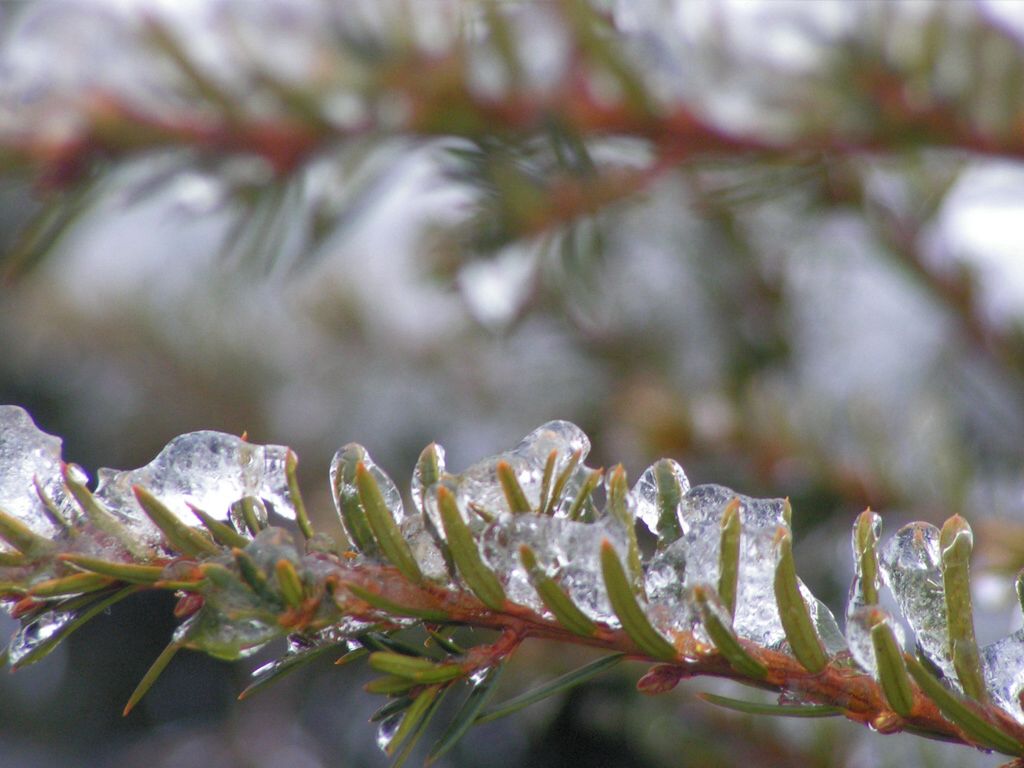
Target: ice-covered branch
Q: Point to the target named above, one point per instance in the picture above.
(698, 581)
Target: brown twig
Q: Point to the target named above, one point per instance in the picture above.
(841, 685)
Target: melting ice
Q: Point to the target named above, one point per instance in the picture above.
(859, 624)
(208, 470)
(911, 566)
(567, 551)
(1003, 664)
(694, 559)
(649, 500)
(479, 485)
(29, 455)
(412, 526)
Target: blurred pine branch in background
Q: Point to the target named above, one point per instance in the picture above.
(774, 241)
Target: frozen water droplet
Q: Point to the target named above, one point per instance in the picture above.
(270, 546)
(858, 636)
(665, 572)
(387, 729)
(35, 633)
(208, 470)
(225, 636)
(705, 503)
(238, 511)
(345, 490)
(412, 526)
(568, 552)
(340, 633)
(824, 622)
(670, 603)
(911, 566)
(857, 599)
(419, 485)
(433, 512)
(757, 615)
(388, 489)
(424, 548)
(29, 455)
(649, 503)
(1003, 664)
(695, 559)
(479, 485)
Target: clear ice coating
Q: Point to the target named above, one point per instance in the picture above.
(756, 617)
(1003, 665)
(648, 501)
(27, 456)
(695, 559)
(225, 636)
(669, 599)
(858, 636)
(418, 491)
(857, 599)
(412, 526)
(479, 485)
(911, 567)
(344, 489)
(567, 551)
(208, 470)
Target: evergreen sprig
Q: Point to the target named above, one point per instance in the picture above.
(520, 566)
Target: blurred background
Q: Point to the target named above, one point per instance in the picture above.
(837, 320)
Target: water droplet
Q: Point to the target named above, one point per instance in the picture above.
(37, 632)
(223, 635)
(387, 729)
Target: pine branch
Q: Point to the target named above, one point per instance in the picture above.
(514, 544)
(861, 100)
